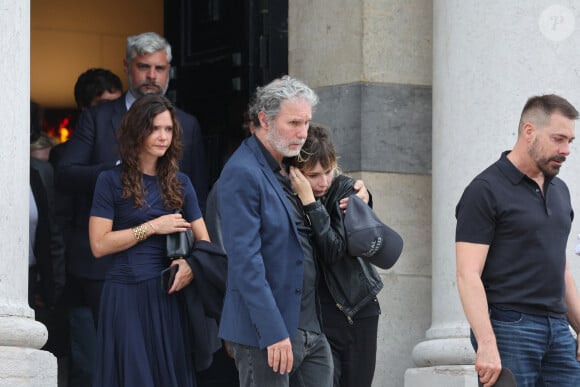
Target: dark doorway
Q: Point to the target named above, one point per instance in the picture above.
(222, 50)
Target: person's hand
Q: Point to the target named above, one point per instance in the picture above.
(578, 348)
(361, 192)
(488, 364)
(168, 224)
(301, 186)
(183, 277)
(280, 357)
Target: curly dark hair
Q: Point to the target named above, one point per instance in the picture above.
(136, 126)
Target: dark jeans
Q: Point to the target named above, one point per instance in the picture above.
(312, 364)
(221, 373)
(539, 350)
(354, 351)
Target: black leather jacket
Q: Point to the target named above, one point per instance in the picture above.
(352, 281)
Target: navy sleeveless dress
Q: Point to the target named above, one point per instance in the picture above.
(140, 340)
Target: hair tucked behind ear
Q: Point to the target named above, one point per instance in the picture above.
(136, 126)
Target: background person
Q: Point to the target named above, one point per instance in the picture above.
(95, 86)
(41, 148)
(93, 148)
(46, 254)
(92, 87)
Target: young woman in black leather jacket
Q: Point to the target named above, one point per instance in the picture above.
(349, 285)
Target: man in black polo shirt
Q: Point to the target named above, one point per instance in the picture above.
(513, 222)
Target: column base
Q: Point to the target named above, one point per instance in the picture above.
(27, 367)
(23, 332)
(444, 352)
(441, 376)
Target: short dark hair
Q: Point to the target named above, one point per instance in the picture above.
(94, 82)
(538, 109)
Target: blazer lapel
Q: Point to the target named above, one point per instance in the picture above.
(272, 179)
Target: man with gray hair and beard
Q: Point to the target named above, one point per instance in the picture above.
(93, 148)
(270, 316)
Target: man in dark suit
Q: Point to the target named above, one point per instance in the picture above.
(270, 318)
(93, 148)
(92, 87)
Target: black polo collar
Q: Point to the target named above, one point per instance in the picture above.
(514, 174)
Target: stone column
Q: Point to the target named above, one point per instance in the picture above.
(21, 361)
(370, 62)
(488, 58)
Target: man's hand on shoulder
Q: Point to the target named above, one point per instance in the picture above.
(361, 192)
(280, 357)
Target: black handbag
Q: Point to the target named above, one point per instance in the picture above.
(179, 244)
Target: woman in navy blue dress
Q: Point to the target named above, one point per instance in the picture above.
(140, 334)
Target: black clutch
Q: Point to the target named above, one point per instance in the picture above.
(179, 244)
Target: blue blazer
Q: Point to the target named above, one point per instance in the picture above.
(265, 259)
(93, 148)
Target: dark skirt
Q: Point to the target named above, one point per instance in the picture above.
(140, 339)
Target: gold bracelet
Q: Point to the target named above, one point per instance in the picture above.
(153, 228)
(140, 233)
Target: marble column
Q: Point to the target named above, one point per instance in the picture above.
(370, 63)
(21, 361)
(488, 58)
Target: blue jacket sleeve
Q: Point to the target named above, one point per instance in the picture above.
(240, 200)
